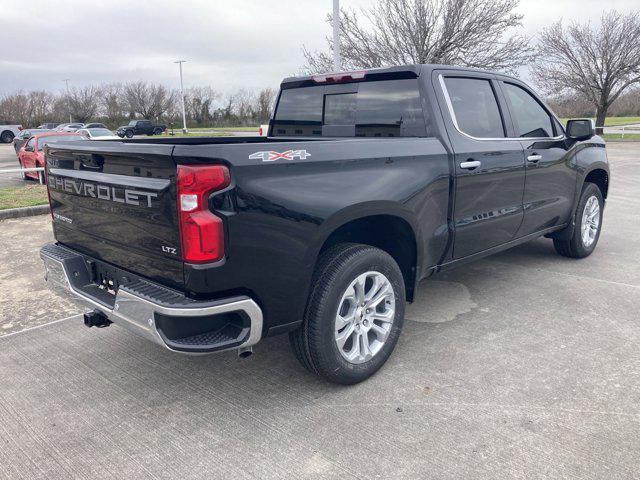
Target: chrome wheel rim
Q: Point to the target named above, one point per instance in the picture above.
(365, 317)
(590, 221)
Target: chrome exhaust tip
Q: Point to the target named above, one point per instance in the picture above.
(245, 352)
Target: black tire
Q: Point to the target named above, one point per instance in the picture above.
(314, 343)
(7, 136)
(576, 247)
(128, 134)
(157, 131)
(41, 180)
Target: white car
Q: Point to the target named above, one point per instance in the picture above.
(69, 127)
(98, 134)
(9, 132)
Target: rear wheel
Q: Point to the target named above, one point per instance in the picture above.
(6, 136)
(157, 131)
(354, 314)
(588, 223)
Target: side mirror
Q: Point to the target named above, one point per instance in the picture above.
(581, 129)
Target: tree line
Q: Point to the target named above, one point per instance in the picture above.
(117, 103)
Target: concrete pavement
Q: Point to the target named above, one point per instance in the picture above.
(522, 365)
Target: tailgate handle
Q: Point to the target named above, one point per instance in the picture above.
(95, 163)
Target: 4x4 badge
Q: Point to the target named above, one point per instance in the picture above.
(272, 156)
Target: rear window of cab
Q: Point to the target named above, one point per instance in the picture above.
(388, 108)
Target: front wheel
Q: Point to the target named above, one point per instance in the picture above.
(354, 315)
(128, 134)
(588, 223)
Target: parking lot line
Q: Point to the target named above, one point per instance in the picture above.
(40, 326)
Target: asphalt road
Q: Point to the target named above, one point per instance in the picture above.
(522, 365)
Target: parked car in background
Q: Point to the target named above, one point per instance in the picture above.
(24, 136)
(9, 132)
(31, 155)
(140, 127)
(97, 133)
(47, 126)
(69, 127)
(94, 125)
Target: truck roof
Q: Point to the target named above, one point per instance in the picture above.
(399, 71)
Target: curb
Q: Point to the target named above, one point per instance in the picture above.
(24, 212)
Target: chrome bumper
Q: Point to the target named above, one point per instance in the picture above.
(137, 308)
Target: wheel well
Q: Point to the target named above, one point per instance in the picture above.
(386, 232)
(601, 179)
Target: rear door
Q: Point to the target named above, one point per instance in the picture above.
(550, 167)
(117, 203)
(489, 166)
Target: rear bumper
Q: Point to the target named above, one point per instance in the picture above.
(161, 315)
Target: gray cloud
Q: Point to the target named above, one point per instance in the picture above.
(228, 44)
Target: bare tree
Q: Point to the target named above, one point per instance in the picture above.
(264, 104)
(149, 100)
(114, 106)
(599, 63)
(14, 108)
(456, 32)
(40, 106)
(83, 103)
(199, 104)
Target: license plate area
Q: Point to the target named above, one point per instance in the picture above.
(105, 277)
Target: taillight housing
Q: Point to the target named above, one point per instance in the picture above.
(201, 232)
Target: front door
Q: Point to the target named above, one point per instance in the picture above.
(550, 167)
(489, 167)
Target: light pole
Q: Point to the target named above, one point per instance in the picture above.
(337, 61)
(184, 115)
(66, 81)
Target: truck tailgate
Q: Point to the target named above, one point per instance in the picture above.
(116, 202)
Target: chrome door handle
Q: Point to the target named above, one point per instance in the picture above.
(534, 158)
(470, 165)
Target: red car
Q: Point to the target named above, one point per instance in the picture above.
(31, 155)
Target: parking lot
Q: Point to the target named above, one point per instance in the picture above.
(522, 365)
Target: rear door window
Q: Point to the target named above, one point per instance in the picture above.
(475, 107)
(530, 118)
(390, 108)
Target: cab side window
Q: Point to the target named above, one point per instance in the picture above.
(530, 118)
(475, 107)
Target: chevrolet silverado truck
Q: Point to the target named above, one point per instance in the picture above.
(140, 127)
(367, 183)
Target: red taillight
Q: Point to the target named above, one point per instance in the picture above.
(340, 77)
(201, 232)
(20, 128)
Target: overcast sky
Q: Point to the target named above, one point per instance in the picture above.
(227, 44)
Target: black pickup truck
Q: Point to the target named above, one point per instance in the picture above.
(367, 183)
(140, 127)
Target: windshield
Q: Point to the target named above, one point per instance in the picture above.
(100, 132)
(57, 138)
(132, 122)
